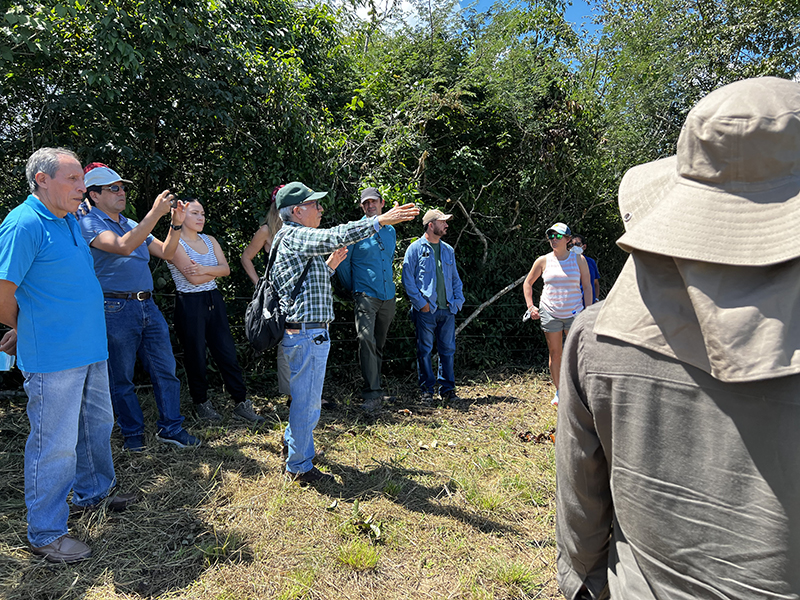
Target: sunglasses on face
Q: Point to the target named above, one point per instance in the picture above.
(554, 236)
(114, 188)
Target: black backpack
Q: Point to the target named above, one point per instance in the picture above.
(264, 323)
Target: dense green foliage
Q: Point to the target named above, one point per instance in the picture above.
(509, 118)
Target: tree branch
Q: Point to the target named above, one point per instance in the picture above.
(491, 300)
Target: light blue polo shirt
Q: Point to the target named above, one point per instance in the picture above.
(115, 272)
(61, 323)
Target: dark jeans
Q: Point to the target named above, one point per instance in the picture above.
(137, 328)
(373, 318)
(200, 321)
(439, 326)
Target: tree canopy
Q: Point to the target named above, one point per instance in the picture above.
(508, 117)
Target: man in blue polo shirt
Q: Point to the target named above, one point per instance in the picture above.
(367, 272)
(121, 249)
(50, 296)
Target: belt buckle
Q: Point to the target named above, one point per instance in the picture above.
(140, 296)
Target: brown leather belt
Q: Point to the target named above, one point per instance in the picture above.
(128, 295)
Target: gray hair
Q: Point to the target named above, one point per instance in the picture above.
(286, 213)
(47, 161)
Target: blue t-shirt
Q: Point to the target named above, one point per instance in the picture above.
(115, 272)
(61, 323)
(594, 274)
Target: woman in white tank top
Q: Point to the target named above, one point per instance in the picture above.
(201, 319)
(561, 300)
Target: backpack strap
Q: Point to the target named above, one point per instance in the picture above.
(274, 253)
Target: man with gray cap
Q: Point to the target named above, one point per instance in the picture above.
(121, 249)
(677, 453)
(431, 280)
(301, 248)
(367, 272)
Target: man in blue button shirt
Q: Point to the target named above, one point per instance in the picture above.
(367, 272)
(431, 280)
(121, 249)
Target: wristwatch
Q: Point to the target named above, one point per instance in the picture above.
(176, 227)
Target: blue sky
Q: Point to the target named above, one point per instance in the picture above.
(579, 12)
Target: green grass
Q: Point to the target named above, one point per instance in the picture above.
(429, 502)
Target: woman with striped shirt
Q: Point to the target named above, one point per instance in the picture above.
(201, 319)
(562, 273)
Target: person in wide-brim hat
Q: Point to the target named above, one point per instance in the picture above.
(732, 189)
(677, 460)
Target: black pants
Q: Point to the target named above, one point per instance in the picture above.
(200, 321)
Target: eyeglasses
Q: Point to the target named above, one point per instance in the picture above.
(314, 203)
(114, 188)
(554, 236)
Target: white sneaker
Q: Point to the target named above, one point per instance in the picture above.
(554, 401)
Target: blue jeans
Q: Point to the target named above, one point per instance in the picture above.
(439, 326)
(137, 328)
(307, 353)
(68, 448)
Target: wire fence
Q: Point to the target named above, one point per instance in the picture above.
(496, 338)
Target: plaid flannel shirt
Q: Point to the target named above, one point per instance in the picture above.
(298, 244)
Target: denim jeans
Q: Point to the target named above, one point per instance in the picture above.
(307, 353)
(441, 327)
(137, 328)
(284, 373)
(373, 318)
(68, 448)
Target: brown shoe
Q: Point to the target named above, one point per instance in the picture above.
(65, 549)
(312, 476)
(113, 503)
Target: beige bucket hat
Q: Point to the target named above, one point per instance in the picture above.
(732, 190)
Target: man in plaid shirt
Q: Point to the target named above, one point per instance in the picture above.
(307, 343)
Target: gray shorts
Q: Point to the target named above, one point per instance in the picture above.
(551, 324)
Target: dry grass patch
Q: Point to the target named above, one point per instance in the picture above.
(429, 502)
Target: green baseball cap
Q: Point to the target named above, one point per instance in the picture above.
(296, 193)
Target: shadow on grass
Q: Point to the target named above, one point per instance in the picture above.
(161, 544)
(413, 496)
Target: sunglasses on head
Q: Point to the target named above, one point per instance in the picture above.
(554, 236)
(115, 188)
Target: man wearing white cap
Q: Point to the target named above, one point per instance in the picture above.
(431, 280)
(677, 452)
(367, 272)
(309, 307)
(121, 249)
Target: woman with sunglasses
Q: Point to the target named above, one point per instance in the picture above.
(562, 273)
(201, 319)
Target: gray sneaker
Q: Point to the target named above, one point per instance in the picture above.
(244, 410)
(206, 412)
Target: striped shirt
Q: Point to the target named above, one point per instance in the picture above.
(209, 259)
(298, 244)
(561, 295)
